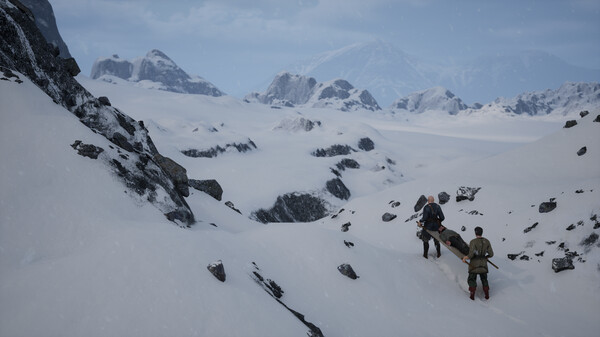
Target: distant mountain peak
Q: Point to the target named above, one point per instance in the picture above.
(436, 98)
(156, 67)
(291, 89)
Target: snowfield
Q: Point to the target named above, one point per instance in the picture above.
(81, 256)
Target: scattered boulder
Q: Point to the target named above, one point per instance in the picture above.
(348, 244)
(104, 100)
(443, 197)
(338, 189)
(217, 269)
(524, 258)
(584, 113)
(590, 240)
(540, 253)
(347, 163)
(210, 187)
(582, 151)
(387, 217)
(420, 203)
(87, 150)
(334, 150)
(571, 227)
(570, 124)
(463, 228)
(366, 144)
(394, 203)
(597, 120)
(528, 229)
(346, 226)
(560, 264)
(347, 270)
(546, 207)
(293, 207)
(215, 151)
(466, 193)
(232, 206)
(176, 172)
(514, 256)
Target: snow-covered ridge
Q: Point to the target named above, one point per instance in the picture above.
(156, 70)
(297, 90)
(570, 98)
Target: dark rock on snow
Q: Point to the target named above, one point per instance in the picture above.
(334, 150)
(466, 193)
(387, 217)
(215, 151)
(217, 269)
(528, 229)
(420, 203)
(546, 207)
(293, 207)
(394, 204)
(210, 187)
(584, 113)
(87, 150)
(346, 226)
(514, 256)
(570, 124)
(347, 270)
(338, 189)
(347, 163)
(597, 120)
(443, 197)
(177, 173)
(590, 240)
(366, 144)
(104, 100)
(348, 244)
(582, 151)
(232, 206)
(560, 264)
(571, 227)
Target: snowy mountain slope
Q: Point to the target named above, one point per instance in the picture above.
(153, 71)
(255, 178)
(292, 90)
(122, 269)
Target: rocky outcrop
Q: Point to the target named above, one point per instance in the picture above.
(155, 67)
(560, 264)
(338, 189)
(218, 270)
(296, 90)
(24, 49)
(293, 207)
(547, 206)
(334, 150)
(437, 98)
(215, 151)
(366, 144)
(210, 187)
(346, 270)
(45, 21)
(421, 202)
(387, 217)
(466, 193)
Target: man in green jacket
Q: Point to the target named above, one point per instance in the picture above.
(480, 249)
(452, 238)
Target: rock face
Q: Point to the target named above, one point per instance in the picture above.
(24, 49)
(366, 144)
(216, 268)
(466, 193)
(420, 203)
(293, 207)
(210, 187)
(347, 270)
(338, 189)
(546, 207)
(292, 90)
(157, 68)
(560, 264)
(436, 98)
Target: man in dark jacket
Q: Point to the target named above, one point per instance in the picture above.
(431, 220)
(480, 249)
(452, 238)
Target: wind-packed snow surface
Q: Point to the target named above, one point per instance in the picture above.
(80, 257)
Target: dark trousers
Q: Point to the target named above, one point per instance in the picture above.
(426, 237)
(472, 280)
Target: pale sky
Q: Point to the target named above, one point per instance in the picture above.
(238, 44)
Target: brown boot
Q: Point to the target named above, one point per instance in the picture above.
(472, 291)
(486, 292)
